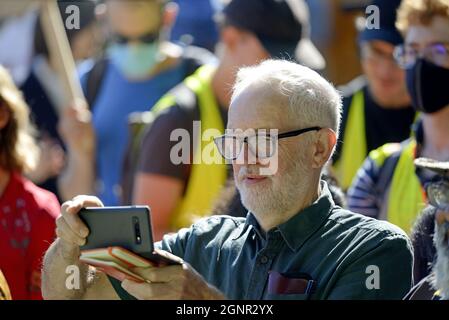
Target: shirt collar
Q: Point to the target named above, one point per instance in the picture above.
(300, 227)
(251, 223)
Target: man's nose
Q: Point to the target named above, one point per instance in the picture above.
(242, 158)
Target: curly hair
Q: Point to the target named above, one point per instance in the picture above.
(18, 149)
(420, 12)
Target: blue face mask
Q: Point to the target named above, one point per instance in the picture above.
(135, 61)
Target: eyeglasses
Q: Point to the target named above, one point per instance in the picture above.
(437, 53)
(146, 38)
(263, 145)
(438, 194)
(369, 51)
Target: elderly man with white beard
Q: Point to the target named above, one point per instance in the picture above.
(295, 243)
(431, 235)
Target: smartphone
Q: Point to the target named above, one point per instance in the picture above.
(128, 227)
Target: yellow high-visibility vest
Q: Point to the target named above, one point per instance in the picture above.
(354, 149)
(206, 179)
(406, 197)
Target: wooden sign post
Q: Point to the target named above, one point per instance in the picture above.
(60, 52)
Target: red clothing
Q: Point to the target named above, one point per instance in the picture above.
(27, 228)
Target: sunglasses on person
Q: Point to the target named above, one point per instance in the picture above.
(438, 194)
(146, 38)
(262, 144)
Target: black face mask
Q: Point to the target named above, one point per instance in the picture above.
(428, 85)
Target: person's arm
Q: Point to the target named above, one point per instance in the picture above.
(163, 194)
(78, 177)
(384, 272)
(160, 181)
(51, 161)
(63, 275)
(59, 262)
(362, 195)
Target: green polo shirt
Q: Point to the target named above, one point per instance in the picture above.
(346, 255)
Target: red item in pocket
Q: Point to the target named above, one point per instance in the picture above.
(281, 284)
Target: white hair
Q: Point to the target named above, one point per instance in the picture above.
(312, 99)
(441, 268)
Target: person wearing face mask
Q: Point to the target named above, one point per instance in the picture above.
(139, 66)
(376, 106)
(388, 186)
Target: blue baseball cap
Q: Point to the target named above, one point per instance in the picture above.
(282, 27)
(387, 18)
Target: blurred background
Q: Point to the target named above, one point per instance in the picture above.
(333, 30)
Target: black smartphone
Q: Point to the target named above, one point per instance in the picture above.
(128, 227)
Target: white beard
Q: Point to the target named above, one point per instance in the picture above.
(441, 268)
(273, 197)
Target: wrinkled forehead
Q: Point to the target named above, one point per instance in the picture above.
(259, 107)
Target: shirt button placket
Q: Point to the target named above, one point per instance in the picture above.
(263, 259)
(258, 277)
(262, 267)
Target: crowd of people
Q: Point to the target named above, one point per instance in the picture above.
(286, 187)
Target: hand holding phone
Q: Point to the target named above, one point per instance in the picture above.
(120, 239)
(69, 227)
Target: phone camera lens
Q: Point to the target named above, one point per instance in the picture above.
(138, 237)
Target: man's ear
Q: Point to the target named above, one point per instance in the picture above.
(171, 10)
(323, 147)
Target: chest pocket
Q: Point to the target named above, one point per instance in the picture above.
(294, 296)
(289, 287)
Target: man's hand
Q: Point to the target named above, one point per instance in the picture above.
(69, 227)
(180, 282)
(65, 251)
